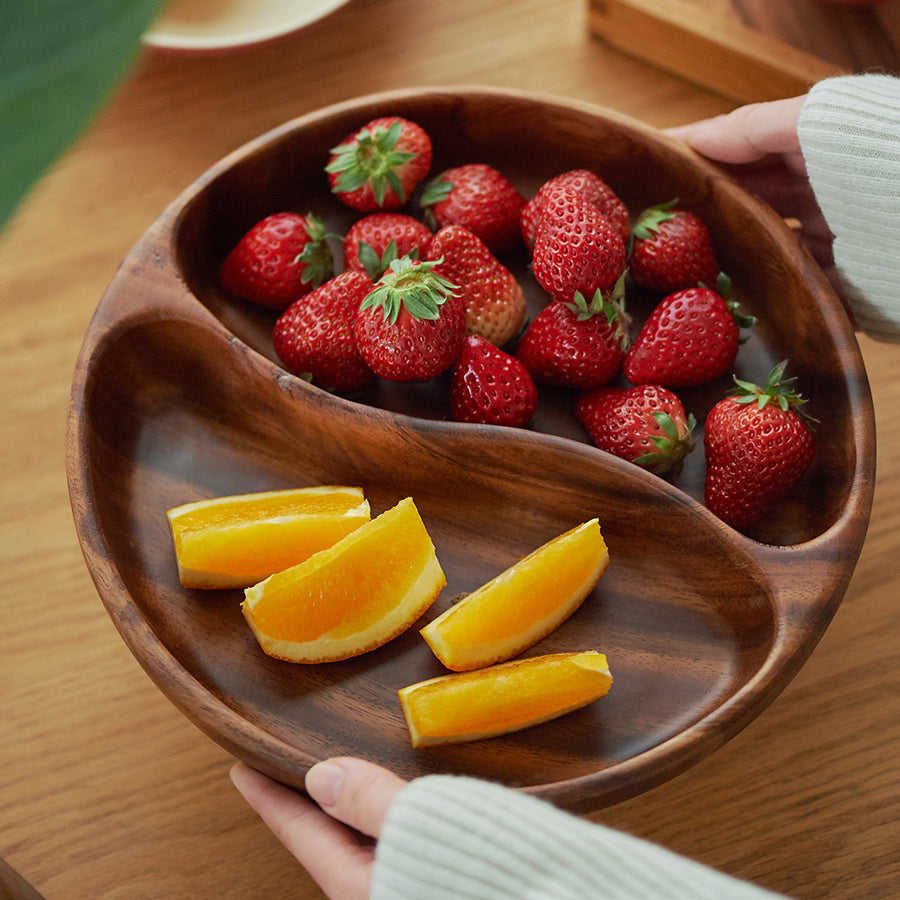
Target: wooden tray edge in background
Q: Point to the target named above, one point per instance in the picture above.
(713, 49)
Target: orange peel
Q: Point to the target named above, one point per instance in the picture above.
(236, 541)
(521, 605)
(470, 706)
(351, 598)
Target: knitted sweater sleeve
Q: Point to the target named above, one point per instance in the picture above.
(849, 133)
(456, 838)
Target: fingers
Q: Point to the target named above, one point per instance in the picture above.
(746, 134)
(355, 792)
(329, 851)
(348, 791)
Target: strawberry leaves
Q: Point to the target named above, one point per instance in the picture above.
(671, 447)
(413, 284)
(370, 157)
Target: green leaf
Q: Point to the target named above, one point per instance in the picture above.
(60, 61)
(650, 219)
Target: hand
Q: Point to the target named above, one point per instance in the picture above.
(759, 147)
(349, 791)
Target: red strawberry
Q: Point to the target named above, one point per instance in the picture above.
(757, 447)
(575, 248)
(495, 302)
(645, 424)
(314, 335)
(577, 345)
(690, 338)
(376, 239)
(281, 258)
(412, 325)
(479, 198)
(491, 387)
(590, 186)
(378, 166)
(672, 250)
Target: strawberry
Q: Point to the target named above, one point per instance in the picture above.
(314, 335)
(578, 344)
(379, 166)
(282, 257)
(495, 302)
(672, 250)
(376, 239)
(479, 198)
(412, 325)
(575, 248)
(490, 387)
(645, 424)
(757, 448)
(590, 186)
(690, 338)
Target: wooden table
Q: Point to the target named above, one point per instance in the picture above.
(106, 791)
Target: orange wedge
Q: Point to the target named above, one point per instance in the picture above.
(521, 605)
(237, 541)
(502, 698)
(353, 597)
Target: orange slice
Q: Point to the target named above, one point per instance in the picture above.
(237, 541)
(521, 605)
(351, 598)
(502, 698)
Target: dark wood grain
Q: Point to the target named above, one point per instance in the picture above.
(177, 395)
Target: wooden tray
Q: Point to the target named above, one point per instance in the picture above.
(177, 395)
(752, 50)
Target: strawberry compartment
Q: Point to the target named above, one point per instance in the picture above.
(530, 140)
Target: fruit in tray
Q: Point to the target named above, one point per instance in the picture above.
(672, 250)
(282, 257)
(521, 605)
(379, 166)
(494, 300)
(363, 582)
(236, 541)
(491, 387)
(373, 242)
(690, 338)
(411, 326)
(348, 599)
(576, 345)
(758, 444)
(424, 283)
(508, 697)
(588, 185)
(480, 199)
(645, 424)
(314, 338)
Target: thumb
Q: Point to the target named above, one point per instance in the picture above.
(353, 791)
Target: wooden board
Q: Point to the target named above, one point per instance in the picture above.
(752, 50)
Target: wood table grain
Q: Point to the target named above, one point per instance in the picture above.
(106, 791)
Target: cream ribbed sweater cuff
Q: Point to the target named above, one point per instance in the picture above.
(454, 838)
(850, 136)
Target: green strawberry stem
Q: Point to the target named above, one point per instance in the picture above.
(671, 449)
(316, 255)
(370, 157)
(413, 284)
(648, 222)
(778, 390)
(376, 265)
(611, 305)
(437, 190)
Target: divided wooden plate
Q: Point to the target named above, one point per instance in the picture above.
(177, 395)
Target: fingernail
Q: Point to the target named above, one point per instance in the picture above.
(323, 781)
